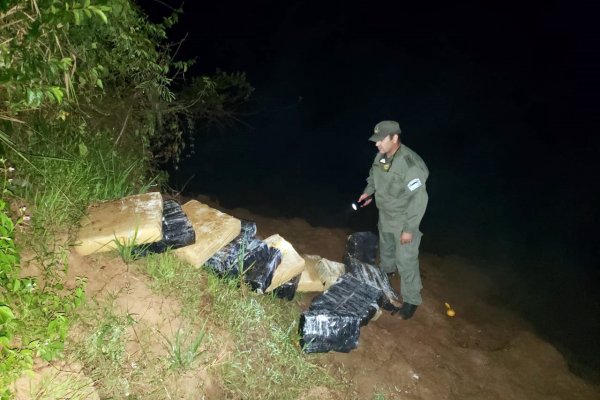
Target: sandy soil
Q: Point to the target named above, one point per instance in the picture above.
(484, 352)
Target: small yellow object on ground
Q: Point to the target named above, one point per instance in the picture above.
(449, 312)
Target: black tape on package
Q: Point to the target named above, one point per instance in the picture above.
(350, 296)
(226, 262)
(248, 230)
(288, 289)
(256, 252)
(238, 253)
(177, 231)
(260, 274)
(322, 331)
(362, 246)
(373, 277)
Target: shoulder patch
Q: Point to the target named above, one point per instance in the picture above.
(409, 161)
(414, 184)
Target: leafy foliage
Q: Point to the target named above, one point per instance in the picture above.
(87, 109)
(82, 66)
(34, 315)
(38, 59)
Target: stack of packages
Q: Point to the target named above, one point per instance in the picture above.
(201, 235)
(145, 222)
(360, 258)
(198, 234)
(177, 231)
(248, 256)
(333, 320)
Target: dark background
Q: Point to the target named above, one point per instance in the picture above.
(500, 100)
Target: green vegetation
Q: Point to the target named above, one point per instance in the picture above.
(266, 360)
(183, 351)
(34, 312)
(88, 111)
(130, 249)
(101, 347)
(244, 342)
(173, 277)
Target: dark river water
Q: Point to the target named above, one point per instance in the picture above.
(499, 100)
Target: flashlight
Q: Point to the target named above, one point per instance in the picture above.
(354, 206)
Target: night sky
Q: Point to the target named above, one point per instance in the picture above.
(499, 99)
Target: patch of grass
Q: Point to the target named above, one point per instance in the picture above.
(35, 312)
(175, 278)
(68, 386)
(166, 270)
(108, 335)
(379, 396)
(184, 349)
(267, 362)
(101, 348)
(387, 392)
(128, 358)
(60, 184)
(129, 249)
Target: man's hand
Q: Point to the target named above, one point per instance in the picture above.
(405, 238)
(364, 200)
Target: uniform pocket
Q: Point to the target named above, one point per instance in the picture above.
(396, 186)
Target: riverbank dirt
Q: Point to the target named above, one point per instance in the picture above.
(484, 352)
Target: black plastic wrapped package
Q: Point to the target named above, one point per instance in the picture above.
(350, 296)
(177, 231)
(373, 277)
(256, 253)
(322, 331)
(260, 273)
(362, 246)
(227, 261)
(288, 289)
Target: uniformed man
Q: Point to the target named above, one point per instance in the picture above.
(397, 178)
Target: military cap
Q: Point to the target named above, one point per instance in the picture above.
(383, 129)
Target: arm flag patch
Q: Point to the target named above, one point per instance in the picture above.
(414, 184)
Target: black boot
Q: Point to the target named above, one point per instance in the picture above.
(406, 311)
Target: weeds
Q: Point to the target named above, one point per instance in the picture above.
(101, 347)
(129, 249)
(173, 277)
(67, 386)
(131, 358)
(387, 392)
(73, 177)
(267, 362)
(182, 353)
(34, 313)
(164, 268)
(107, 342)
